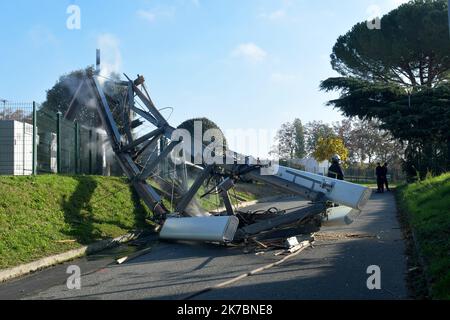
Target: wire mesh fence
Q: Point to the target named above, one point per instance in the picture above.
(47, 142)
(368, 175)
(36, 141)
(353, 173)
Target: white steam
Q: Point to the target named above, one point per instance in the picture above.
(111, 57)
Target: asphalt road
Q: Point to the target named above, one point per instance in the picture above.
(334, 269)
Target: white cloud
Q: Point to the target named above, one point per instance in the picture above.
(249, 51)
(275, 15)
(279, 77)
(146, 15)
(111, 57)
(158, 13)
(40, 36)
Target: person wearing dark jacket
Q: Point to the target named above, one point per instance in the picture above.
(385, 179)
(380, 178)
(335, 170)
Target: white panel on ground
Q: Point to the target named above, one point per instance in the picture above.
(340, 216)
(214, 229)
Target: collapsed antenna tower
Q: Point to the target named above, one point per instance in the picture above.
(130, 150)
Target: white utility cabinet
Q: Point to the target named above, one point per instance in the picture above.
(16, 148)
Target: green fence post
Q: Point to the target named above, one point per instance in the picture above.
(34, 168)
(90, 151)
(58, 142)
(77, 148)
(97, 155)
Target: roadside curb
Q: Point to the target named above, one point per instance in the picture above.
(24, 269)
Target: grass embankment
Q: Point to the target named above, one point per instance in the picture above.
(428, 206)
(45, 215)
(49, 214)
(243, 192)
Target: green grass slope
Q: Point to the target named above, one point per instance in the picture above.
(38, 215)
(428, 204)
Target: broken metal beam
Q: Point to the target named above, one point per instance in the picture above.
(283, 220)
(194, 189)
(148, 103)
(148, 144)
(151, 166)
(141, 140)
(106, 115)
(144, 114)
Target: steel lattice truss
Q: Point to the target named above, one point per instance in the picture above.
(129, 152)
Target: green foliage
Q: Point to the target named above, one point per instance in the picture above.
(40, 211)
(367, 142)
(399, 76)
(206, 125)
(62, 93)
(428, 204)
(423, 121)
(316, 130)
(327, 147)
(300, 143)
(410, 49)
(286, 138)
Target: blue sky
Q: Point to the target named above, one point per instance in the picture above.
(242, 63)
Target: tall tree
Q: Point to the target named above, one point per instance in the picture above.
(300, 144)
(327, 147)
(286, 141)
(411, 48)
(206, 124)
(316, 130)
(61, 94)
(399, 76)
(344, 130)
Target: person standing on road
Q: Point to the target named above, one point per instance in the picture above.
(335, 171)
(385, 178)
(380, 181)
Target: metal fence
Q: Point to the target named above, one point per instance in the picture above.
(367, 175)
(34, 141)
(353, 173)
